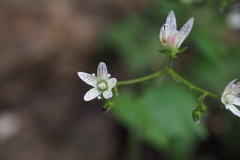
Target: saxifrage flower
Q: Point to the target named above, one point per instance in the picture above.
(102, 83)
(230, 97)
(170, 37)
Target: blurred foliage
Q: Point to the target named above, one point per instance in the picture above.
(160, 121)
(162, 114)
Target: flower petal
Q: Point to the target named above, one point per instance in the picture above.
(102, 70)
(162, 35)
(107, 94)
(91, 94)
(112, 82)
(230, 86)
(234, 110)
(236, 101)
(223, 99)
(170, 24)
(87, 78)
(185, 30)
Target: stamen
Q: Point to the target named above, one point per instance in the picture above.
(164, 40)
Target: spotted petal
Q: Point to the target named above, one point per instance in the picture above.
(230, 86)
(87, 78)
(112, 82)
(107, 94)
(234, 110)
(162, 35)
(102, 70)
(91, 94)
(185, 30)
(234, 88)
(171, 25)
(236, 101)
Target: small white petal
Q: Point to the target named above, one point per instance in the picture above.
(185, 30)
(162, 35)
(234, 110)
(107, 94)
(170, 24)
(112, 82)
(223, 99)
(91, 94)
(229, 86)
(236, 101)
(102, 70)
(87, 78)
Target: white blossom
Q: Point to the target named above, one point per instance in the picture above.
(170, 37)
(230, 97)
(102, 83)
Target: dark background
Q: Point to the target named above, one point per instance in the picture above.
(44, 43)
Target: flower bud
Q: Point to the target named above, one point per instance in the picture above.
(202, 108)
(107, 107)
(196, 114)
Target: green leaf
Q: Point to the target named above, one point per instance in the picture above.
(162, 116)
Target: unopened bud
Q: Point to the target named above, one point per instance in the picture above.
(203, 107)
(107, 107)
(196, 116)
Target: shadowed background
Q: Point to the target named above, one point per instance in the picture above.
(43, 44)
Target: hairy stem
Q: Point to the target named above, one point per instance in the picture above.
(173, 73)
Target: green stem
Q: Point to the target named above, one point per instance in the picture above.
(169, 65)
(138, 80)
(173, 73)
(151, 76)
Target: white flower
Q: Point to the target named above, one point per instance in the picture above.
(170, 37)
(102, 84)
(230, 97)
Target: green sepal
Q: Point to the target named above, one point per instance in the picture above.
(164, 51)
(180, 50)
(221, 105)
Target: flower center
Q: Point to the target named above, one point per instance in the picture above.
(102, 85)
(172, 41)
(229, 98)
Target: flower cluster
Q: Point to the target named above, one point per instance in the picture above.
(171, 39)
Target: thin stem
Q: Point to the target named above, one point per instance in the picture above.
(151, 76)
(173, 73)
(138, 80)
(170, 61)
